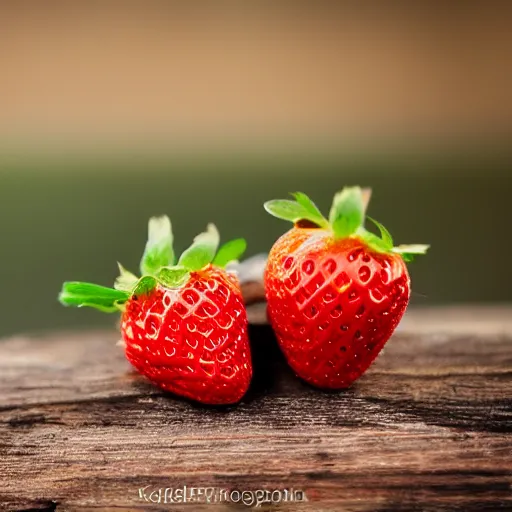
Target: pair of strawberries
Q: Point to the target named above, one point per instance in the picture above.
(335, 294)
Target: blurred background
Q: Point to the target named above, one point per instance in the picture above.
(112, 111)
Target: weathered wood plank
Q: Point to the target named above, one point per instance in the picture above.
(427, 428)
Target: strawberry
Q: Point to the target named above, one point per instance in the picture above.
(184, 325)
(335, 291)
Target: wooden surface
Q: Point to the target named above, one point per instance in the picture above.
(428, 428)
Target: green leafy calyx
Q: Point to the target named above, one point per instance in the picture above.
(87, 294)
(158, 252)
(346, 220)
(157, 266)
(347, 212)
(302, 208)
(126, 281)
(202, 251)
(229, 252)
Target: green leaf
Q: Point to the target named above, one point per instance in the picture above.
(314, 213)
(158, 252)
(408, 252)
(291, 211)
(145, 285)
(286, 209)
(126, 280)
(408, 258)
(384, 233)
(347, 212)
(373, 241)
(92, 295)
(230, 251)
(173, 277)
(202, 251)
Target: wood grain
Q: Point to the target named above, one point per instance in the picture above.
(428, 428)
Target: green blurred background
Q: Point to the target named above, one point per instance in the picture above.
(58, 225)
(111, 112)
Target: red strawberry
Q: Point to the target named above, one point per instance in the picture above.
(335, 291)
(184, 325)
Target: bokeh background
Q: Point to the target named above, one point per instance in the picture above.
(111, 112)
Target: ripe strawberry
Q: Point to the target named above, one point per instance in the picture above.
(335, 291)
(184, 325)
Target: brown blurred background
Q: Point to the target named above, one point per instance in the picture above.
(214, 69)
(114, 111)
